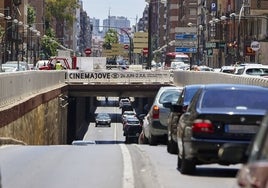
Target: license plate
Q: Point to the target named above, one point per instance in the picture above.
(251, 129)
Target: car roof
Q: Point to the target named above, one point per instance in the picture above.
(194, 86)
(223, 86)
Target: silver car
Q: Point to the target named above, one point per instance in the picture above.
(155, 122)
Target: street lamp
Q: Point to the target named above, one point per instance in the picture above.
(15, 22)
(199, 28)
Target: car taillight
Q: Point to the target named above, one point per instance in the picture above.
(155, 112)
(201, 125)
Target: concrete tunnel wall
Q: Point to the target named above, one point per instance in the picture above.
(38, 120)
(51, 118)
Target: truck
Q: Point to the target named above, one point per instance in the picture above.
(76, 63)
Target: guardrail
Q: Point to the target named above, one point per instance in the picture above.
(17, 86)
(20, 85)
(182, 78)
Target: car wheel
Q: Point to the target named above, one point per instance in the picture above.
(145, 139)
(96, 125)
(172, 147)
(152, 140)
(127, 140)
(185, 166)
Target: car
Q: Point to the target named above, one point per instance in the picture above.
(155, 122)
(218, 114)
(183, 101)
(24, 65)
(253, 70)
(132, 129)
(127, 114)
(103, 119)
(254, 171)
(10, 67)
(228, 69)
(124, 101)
(126, 107)
(42, 65)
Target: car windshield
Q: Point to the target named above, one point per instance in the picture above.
(169, 96)
(102, 116)
(133, 121)
(238, 99)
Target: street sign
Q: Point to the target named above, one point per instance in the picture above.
(88, 51)
(185, 50)
(185, 36)
(255, 45)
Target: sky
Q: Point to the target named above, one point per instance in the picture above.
(127, 8)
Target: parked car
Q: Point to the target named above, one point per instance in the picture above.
(103, 119)
(254, 171)
(11, 67)
(23, 65)
(183, 101)
(218, 114)
(132, 129)
(155, 122)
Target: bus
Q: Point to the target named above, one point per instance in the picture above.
(176, 58)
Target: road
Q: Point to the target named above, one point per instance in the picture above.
(107, 163)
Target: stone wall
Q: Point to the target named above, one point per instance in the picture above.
(44, 123)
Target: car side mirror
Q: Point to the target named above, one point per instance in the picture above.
(176, 108)
(167, 104)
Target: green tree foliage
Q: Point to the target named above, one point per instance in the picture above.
(61, 10)
(31, 15)
(110, 38)
(49, 44)
(56, 11)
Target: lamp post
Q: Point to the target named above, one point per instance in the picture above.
(3, 42)
(130, 45)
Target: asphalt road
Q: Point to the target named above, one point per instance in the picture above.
(107, 163)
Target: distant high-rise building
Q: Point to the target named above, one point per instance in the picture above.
(96, 30)
(115, 22)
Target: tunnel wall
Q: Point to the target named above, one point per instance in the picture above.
(37, 120)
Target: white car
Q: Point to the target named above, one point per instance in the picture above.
(127, 114)
(124, 101)
(155, 122)
(252, 70)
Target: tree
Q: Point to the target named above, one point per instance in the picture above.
(60, 10)
(110, 38)
(31, 15)
(49, 44)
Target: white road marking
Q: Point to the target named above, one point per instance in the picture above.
(128, 176)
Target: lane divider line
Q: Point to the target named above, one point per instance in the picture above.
(128, 176)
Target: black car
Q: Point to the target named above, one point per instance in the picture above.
(184, 99)
(218, 114)
(103, 119)
(132, 129)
